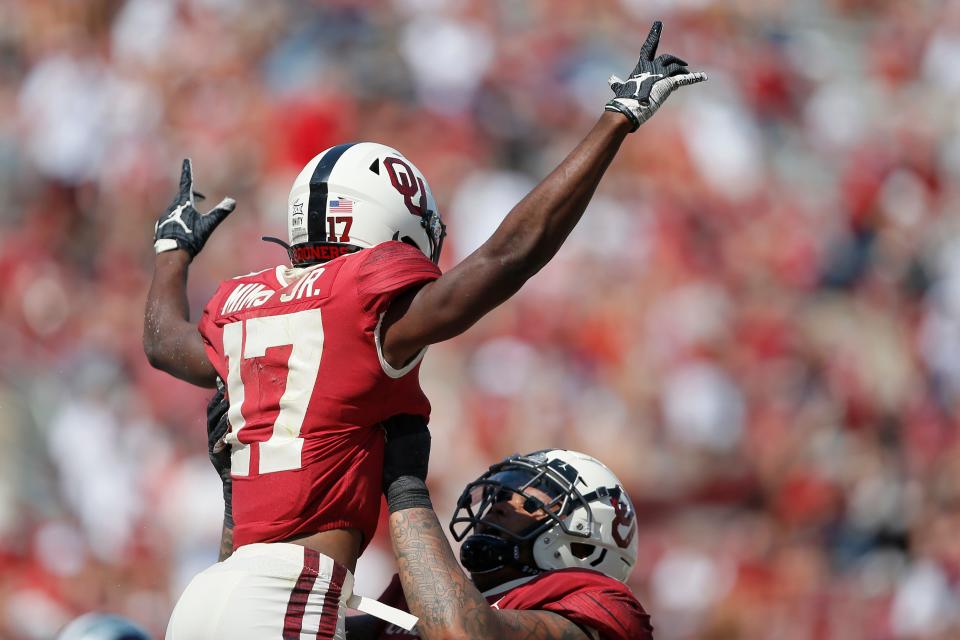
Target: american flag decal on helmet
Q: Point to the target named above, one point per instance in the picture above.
(341, 205)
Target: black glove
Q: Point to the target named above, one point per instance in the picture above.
(218, 426)
(183, 227)
(405, 460)
(650, 82)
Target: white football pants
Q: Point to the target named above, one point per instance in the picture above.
(265, 591)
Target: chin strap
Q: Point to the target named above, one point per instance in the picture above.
(279, 242)
(309, 253)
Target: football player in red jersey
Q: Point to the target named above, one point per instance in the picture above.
(317, 354)
(549, 538)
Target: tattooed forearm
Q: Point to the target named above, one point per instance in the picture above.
(442, 596)
(226, 543)
(437, 590)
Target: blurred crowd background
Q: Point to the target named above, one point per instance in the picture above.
(756, 325)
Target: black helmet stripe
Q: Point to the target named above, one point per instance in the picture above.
(317, 205)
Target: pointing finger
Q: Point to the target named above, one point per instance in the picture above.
(186, 180)
(649, 48)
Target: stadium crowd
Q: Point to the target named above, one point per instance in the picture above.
(756, 325)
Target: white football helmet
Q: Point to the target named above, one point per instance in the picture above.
(354, 196)
(590, 522)
(102, 626)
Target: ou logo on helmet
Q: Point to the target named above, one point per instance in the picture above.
(624, 516)
(408, 184)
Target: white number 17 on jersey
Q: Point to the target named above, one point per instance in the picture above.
(250, 338)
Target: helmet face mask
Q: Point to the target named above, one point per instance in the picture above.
(585, 519)
(355, 196)
(436, 232)
(522, 480)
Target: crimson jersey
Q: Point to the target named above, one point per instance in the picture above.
(605, 608)
(307, 386)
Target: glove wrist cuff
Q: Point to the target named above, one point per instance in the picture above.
(161, 245)
(407, 492)
(616, 105)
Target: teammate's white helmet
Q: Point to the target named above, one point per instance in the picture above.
(102, 626)
(355, 196)
(590, 522)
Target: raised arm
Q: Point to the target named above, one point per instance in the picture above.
(170, 341)
(448, 605)
(537, 226)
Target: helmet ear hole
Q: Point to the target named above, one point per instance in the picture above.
(581, 550)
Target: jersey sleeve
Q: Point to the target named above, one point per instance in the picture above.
(613, 614)
(590, 599)
(209, 331)
(389, 269)
(206, 325)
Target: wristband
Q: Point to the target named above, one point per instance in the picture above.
(165, 244)
(408, 492)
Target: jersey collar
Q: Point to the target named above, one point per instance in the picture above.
(507, 586)
(279, 274)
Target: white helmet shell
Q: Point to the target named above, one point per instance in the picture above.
(610, 523)
(102, 626)
(357, 195)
